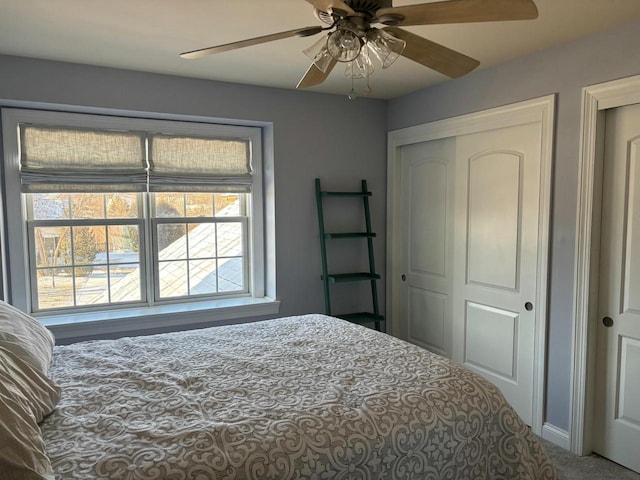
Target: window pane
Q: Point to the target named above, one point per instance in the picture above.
(202, 277)
(87, 205)
(124, 244)
(49, 206)
(122, 205)
(88, 248)
(169, 205)
(230, 274)
(172, 241)
(229, 239)
(124, 274)
(228, 204)
(202, 240)
(55, 288)
(91, 286)
(125, 282)
(173, 279)
(199, 204)
(52, 246)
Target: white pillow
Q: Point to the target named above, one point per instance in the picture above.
(27, 395)
(26, 337)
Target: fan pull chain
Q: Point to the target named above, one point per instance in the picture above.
(367, 91)
(352, 94)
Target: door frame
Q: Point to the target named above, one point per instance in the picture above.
(536, 110)
(596, 99)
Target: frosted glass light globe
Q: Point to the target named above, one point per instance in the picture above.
(344, 45)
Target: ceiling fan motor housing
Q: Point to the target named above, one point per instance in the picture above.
(366, 8)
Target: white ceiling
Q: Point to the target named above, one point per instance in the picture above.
(148, 35)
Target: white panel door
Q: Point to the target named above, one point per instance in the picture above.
(617, 409)
(427, 198)
(496, 234)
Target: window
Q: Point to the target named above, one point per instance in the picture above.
(84, 249)
(200, 244)
(121, 212)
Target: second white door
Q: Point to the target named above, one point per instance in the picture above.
(496, 256)
(617, 403)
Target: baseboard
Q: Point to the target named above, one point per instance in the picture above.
(556, 435)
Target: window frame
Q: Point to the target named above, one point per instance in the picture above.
(18, 273)
(31, 225)
(244, 221)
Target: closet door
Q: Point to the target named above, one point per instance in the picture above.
(428, 170)
(617, 409)
(497, 197)
(468, 259)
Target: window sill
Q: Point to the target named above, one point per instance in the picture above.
(136, 319)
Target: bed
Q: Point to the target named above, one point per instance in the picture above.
(305, 397)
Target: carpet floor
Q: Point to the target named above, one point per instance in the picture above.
(590, 467)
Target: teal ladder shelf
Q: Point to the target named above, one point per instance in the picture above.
(327, 278)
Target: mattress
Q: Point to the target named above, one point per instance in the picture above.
(305, 397)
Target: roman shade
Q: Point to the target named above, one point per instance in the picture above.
(189, 163)
(71, 159)
(74, 159)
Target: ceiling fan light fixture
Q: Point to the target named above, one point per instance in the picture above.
(344, 45)
(361, 67)
(384, 46)
(319, 54)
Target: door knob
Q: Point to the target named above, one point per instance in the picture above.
(528, 306)
(404, 277)
(607, 322)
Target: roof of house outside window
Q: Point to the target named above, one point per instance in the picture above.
(207, 274)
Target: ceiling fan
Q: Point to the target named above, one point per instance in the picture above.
(352, 38)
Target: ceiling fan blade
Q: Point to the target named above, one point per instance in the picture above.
(328, 5)
(306, 31)
(463, 11)
(433, 55)
(315, 76)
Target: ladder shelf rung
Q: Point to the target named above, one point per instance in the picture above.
(350, 235)
(361, 317)
(352, 277)
(345, 194)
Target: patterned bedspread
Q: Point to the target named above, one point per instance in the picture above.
(308, 397)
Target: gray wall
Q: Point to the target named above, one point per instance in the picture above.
(314, 135)
(564, 71)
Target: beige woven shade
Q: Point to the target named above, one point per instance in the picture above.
(198, 163)
(69, 159)
(75, 159)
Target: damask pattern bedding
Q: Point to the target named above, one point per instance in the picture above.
(308, 397)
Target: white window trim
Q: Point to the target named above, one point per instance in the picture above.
(130, 319)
